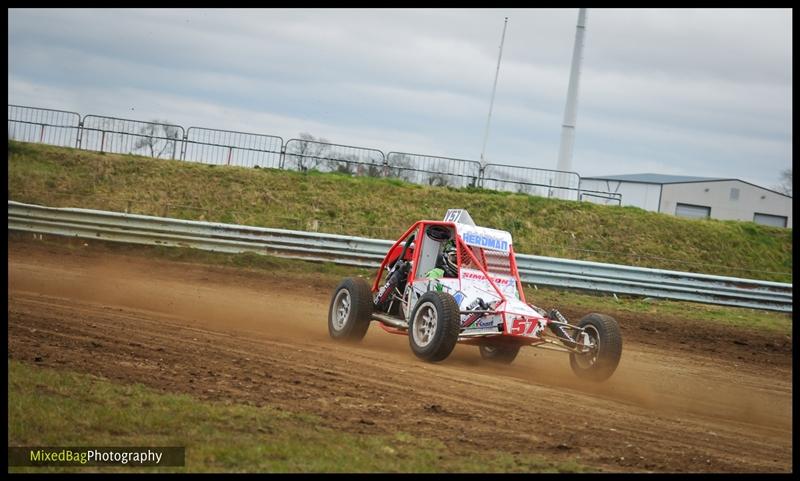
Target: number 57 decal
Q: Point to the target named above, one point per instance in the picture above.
(522, 326)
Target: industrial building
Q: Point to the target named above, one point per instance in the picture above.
(696, 197)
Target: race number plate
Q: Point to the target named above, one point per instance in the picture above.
(524, 326)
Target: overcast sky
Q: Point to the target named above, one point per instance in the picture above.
(686, 92)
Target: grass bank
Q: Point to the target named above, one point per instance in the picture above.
(384, 208)
(49, 407)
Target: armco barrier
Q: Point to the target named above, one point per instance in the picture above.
(360, 251)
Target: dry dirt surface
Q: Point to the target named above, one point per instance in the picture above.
(252, 337)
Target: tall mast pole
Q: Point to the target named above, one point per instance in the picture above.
(494, 89)
(571, 110)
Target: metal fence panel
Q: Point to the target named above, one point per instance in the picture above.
(527, 180)
(224, 147)
(125, 136)
(433, 170)
(305, 155)
(600, 197)
(45, 126)
(227, 147)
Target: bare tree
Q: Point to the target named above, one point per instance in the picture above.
(374, 166)
(308, 152)
(375, 169)
(370, 168)
(400, 167)
(786, 182)
(438, 177)
(344, 163)
(158, 138)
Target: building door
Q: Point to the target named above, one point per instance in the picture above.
(769, 219)
(692, 211)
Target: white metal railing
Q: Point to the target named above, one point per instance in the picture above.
(364, 252)
(225, 147)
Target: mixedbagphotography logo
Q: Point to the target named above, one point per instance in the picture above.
(96, 456)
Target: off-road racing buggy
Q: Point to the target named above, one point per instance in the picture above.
(451, 281)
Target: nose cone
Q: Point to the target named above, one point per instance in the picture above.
(522, 320)
(519, 308)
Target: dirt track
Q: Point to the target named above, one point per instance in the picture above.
(223, 334)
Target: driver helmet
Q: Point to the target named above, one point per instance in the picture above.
(450, 259)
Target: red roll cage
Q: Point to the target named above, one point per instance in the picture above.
(462, 249)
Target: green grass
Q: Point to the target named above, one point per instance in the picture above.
(384, 208)
(59, 408)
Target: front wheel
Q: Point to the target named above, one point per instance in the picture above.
(602, 335)
(434, 326)
(351, 310)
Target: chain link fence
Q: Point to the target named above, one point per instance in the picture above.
(224, 147)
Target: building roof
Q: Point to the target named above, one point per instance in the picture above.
(657, 178)
(661, 179)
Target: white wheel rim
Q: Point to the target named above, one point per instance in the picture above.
(589, 359)
(424, 325)
(341, 309)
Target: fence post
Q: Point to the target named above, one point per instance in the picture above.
(183, 144)
(283, 156)
(80, 133)
(480, 176)
(41, 135)
(102, 141)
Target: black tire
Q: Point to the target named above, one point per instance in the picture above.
(350, 311)
(600, 364)
(438, 318)
(499, 353)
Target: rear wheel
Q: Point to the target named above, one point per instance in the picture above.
(603, 335)
(434, 326)
(351, 310)
(499, 353)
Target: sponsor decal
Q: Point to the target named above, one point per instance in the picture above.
(477, 275)
(483, 240)
(484, 323)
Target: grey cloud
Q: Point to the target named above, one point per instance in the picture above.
(426, 75)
